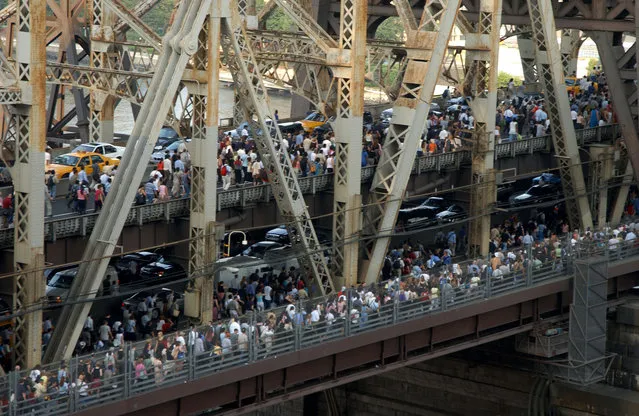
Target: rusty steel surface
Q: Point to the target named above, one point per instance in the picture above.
(297, 373)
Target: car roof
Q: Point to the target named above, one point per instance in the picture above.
(281, 230)
(81, 154)
(266, 243)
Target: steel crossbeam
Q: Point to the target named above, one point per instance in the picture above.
(409, 120)
(308, 24)
(135, 23)
(283, 179)
(180, 44)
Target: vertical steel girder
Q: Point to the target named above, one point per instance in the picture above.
(409, 120)
(557, 107)
(180, 43)
(29, 122)
(285, 187)
(348, 141)
(601, 164)
(204, 235)
(623, 94)
(484, 100)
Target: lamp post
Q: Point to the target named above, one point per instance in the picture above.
(228, 246)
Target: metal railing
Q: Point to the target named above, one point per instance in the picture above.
(135, 376)
(245, 196)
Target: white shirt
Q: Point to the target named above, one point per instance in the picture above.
(47, 158)
(168, 166)
(508, 113)
(513, 127)
(443, 135)
(104, 179)
(245, 132)
(630, 236)
(315, 315)
(267, 292)
(329, 163)
(573, 115)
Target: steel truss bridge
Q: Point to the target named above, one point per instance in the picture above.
(106, 53)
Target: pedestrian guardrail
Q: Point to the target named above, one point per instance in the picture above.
(134, 375)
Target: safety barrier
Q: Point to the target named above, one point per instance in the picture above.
(250, 195)
(128, 381)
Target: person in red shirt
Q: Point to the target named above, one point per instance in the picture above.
(99, 197)
(6, 213)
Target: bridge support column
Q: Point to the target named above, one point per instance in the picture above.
(29, 128)
(557, 107)
(484, 68)
(623, 94)
(100, 113)
(570, 44)
(527, 54)
(101, 128)
(347, 221)
(204, 232)
(601, 164)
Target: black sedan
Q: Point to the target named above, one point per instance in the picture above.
(159, 272)
(280, 235)
(537, 194)
(130, 265)
(451, 214)
(427, 209)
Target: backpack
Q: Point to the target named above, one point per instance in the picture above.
(139, 199)
(223, 170)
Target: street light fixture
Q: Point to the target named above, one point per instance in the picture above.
(228, 246)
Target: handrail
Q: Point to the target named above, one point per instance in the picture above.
(193, 366)
(244, 196)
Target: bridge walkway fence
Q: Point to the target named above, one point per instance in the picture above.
(82, 225)
(271, 334)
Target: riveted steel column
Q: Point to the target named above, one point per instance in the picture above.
(102, 106)
(484, 101)
(527, 55)
(614, 61)
(348, 140)
(557, 107)
(28, 179)
(203, 229)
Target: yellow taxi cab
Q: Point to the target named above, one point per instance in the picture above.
(572, 85)
(64, 164)
(315, 119)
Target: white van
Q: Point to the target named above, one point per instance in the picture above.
(231, 270)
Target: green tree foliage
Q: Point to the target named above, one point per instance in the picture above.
(157, 18)
(592, 63)
(391, 29)
(504, 77)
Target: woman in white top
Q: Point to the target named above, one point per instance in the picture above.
(512, 132)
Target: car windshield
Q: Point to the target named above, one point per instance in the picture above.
(67, 160)
(315, 117)
(167, 133)
(570, 82)
(173, 146)
(84, 148)
(434, 203)
(62, 280)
